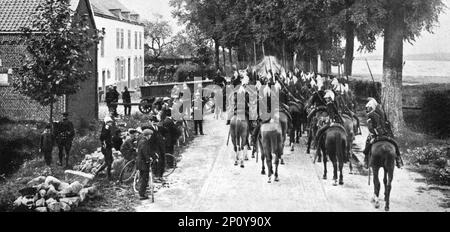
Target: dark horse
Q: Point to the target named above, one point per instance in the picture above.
(383, 156)
(333, 145)
(298, 114)
(273, 136)
(313, 120)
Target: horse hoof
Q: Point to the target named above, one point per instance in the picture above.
(253, 156)
(324, 177)
(236, 163)
(377, 205)
(386, 209)
(246, 159)
(282, 162)
(263, 173)
(292, 149)
(335, 183)
(242, 166)
(277, 179)
(341, 182)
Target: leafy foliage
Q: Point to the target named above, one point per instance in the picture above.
(157, 33)
(58, 45)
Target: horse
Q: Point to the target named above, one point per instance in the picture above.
(272, 138)
(333, 145)
(382, 156)
(239, 132)
(349, 127)
(313, 126)
(297, 112)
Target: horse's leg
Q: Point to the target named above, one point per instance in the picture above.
(244, 154)
(324, 166)
(237, 154)
(335, 171)
(341, 176)
(376, 185)
(263, 159)
(269, 165)
(387, 188)
(308, 149)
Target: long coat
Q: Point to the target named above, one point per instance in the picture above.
(147, 149)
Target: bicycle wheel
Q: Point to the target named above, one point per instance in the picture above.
(127, 172)
(171, 164)
(136, 182)
(151, 187)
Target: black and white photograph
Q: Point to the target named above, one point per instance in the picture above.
(224, 106)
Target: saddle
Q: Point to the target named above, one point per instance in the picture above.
(314, 112)
(320, 133)
(385, 138)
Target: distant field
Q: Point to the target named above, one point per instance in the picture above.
(415, 72)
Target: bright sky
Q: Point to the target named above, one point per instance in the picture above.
(427, 43)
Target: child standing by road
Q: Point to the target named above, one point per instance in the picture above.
(46, 144)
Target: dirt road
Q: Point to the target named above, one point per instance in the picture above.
(207, 180)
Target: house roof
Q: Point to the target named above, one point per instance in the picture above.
(103, 8)
(16, 14)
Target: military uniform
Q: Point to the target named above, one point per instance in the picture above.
(64, 136)
(378, 127)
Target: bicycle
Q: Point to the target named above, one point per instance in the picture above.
(150, 186)
(129, 169)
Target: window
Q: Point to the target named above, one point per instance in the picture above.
(135, 40)
(4, 79)
(136, 67)
(117, 69)
(129, 39)
(102, 47)
(140, 40)
(121, 38)
(118, 38)
(140, 67)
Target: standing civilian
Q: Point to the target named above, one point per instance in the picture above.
(126, 99)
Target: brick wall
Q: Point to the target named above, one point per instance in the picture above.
(83, 106)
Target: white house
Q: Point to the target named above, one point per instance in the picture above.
(121, 51)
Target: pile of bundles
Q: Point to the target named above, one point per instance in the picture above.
(48, 194)
(92, 163)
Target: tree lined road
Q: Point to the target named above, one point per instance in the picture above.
(207, 180)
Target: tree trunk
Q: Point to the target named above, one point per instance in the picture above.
(217, 52)
(51, 117)
(393, 66)
(284, 54)
(254, 52)
(263, 50)
(313, 63)
(224, 58)
(230, 53)
(349, 49)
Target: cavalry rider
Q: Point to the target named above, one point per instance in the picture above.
(341, 91)
(378, 127)
(332, 108)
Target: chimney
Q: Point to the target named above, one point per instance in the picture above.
(117, 12)
(126, 15)
(135, 17)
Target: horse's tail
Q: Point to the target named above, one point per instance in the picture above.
(340, 146)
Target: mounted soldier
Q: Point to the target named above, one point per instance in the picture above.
(379, 129)
(341, 92)
(332, 107)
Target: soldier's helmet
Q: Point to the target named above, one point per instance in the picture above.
(329, 96)
(371, 105)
